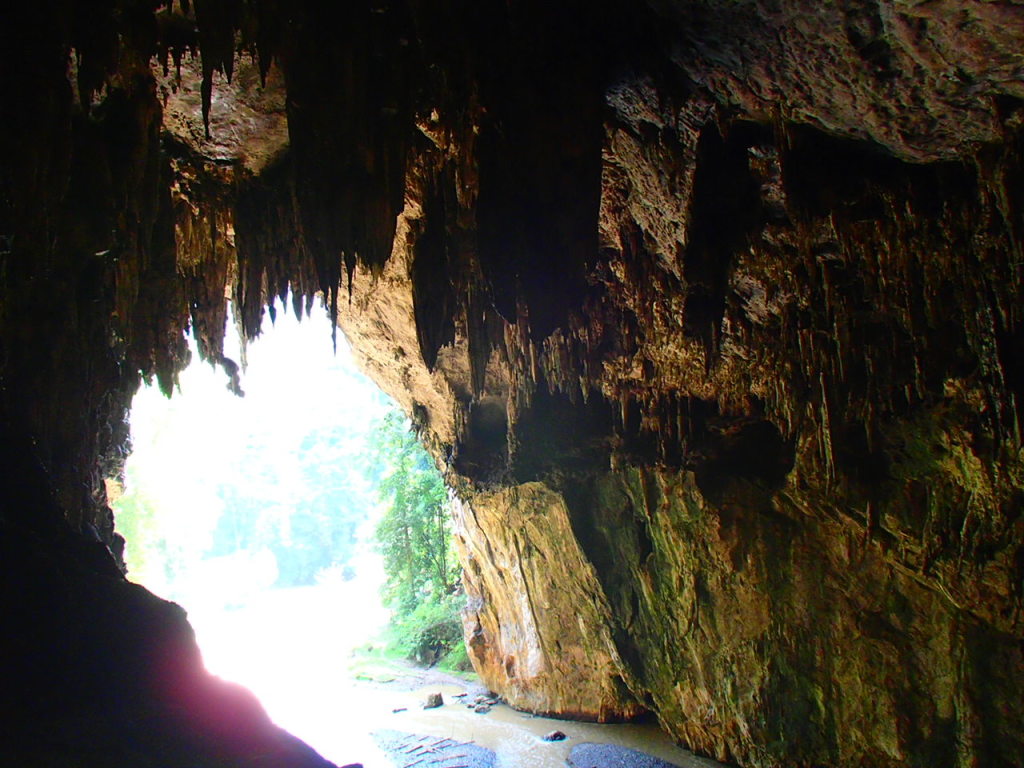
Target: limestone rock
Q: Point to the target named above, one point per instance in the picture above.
(541, 641)
(248, 125)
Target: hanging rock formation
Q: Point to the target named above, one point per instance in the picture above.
(709, 310)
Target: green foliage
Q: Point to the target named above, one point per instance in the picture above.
(136, 522)
(414, 536)
(432, 631)
(217, 484)
(157, 549)
(307, 512)
(457, 659)
(225, 497)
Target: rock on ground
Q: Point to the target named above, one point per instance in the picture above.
(611, 756)
(409, 749)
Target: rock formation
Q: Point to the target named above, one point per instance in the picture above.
(709, 310)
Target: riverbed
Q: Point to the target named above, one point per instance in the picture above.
(294, 648)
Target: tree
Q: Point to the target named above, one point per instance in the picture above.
(414, 534)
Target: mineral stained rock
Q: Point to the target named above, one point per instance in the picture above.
(709, 310)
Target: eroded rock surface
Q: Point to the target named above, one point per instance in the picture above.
(747, 479)
(710, 312)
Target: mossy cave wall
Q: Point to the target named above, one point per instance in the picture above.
(710, 311)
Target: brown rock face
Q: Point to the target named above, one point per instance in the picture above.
(710, 311)
(543, 642)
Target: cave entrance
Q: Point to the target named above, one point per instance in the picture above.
(259, 515)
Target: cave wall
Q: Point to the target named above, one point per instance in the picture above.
(779, 507)
(781, 419)
(709, 311)
(108, 251)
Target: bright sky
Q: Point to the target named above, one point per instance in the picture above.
(293, 378)
(185, 446)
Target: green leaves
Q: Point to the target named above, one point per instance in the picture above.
(414, 536)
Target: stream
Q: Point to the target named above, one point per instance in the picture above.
(293, 649)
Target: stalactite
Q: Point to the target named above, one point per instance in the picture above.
(217, 23)
(176, 38)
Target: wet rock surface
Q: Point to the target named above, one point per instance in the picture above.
(612, 756)
(407, 750)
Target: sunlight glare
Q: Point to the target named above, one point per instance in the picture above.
(290, 645)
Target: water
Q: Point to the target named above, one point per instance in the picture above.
(292, 648)
(516, 736)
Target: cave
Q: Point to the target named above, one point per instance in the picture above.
(710, 312)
